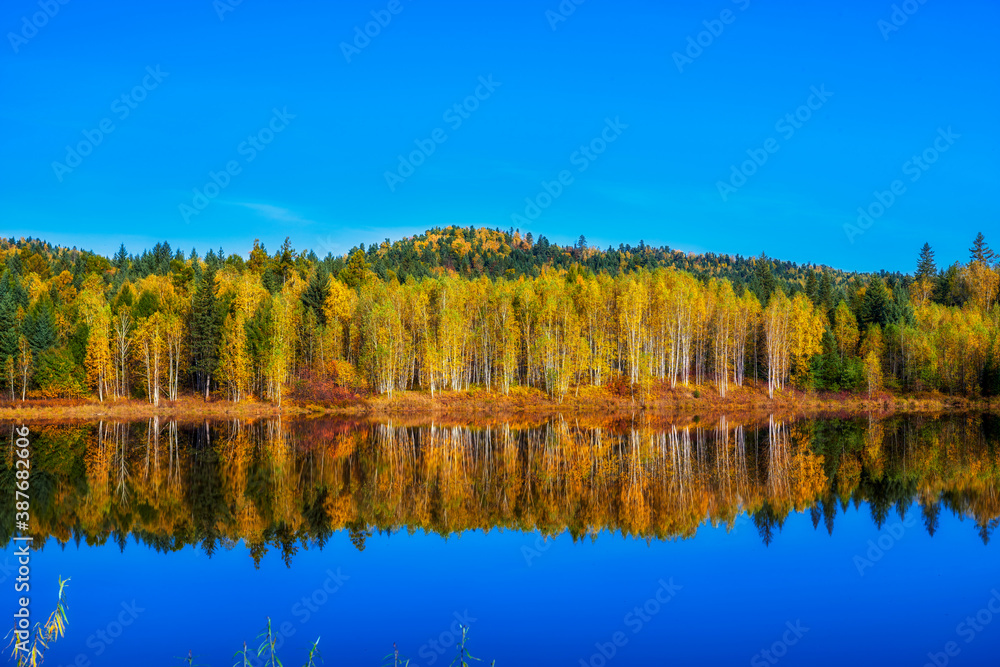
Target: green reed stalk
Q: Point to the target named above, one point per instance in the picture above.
(42, 634)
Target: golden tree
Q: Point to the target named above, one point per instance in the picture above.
(845, 330)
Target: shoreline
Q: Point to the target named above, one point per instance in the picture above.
(590, 403)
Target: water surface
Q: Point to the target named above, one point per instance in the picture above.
(858, 541)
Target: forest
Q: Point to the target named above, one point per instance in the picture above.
(459, 308)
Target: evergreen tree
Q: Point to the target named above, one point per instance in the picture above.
(160, 258)
(316, 292)
(991, 373)
(205, 332)
(931, 514)
(826, 296)
(926, 268)
(212, 260)
(270, 280)
(951, 288)
(901, 308)
(828, 367)
(876, 307)
(40, 326)
(762, 284)
(284, 261)
(980, 252)
(120, 260)
(12, 296)
(812, 287)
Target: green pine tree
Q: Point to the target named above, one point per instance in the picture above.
(812, 287)
(980, 252)
(316, 292)
(12, 296)
(40, 326)
(205, 332)
(876, 307)
(762, 284)
(926, 268)
(826, 296)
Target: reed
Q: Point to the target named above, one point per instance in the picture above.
(463, 657)
(267, 650)
(31, 651)
(266, 654)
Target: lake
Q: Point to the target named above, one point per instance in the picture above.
(627, 541)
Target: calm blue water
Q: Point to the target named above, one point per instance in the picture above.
(879, 590)
(546, 606)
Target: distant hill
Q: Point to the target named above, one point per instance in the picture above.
(468, 252)
(472, 252)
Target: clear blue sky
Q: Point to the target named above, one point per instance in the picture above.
(322, 180)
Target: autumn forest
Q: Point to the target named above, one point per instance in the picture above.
(456, 309)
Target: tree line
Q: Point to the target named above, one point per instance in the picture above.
(155, 325)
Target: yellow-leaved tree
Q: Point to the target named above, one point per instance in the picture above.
(871, 352)
(234, 362)
(982, 281)
(777, 322)
(98, 354)
(807, 327)
(150, 349)
(97, 315)
(845, 330)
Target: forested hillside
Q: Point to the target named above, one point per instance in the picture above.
(471, 252)
(458, 308)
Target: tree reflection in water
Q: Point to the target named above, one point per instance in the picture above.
(275, 484)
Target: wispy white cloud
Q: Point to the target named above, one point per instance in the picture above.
(277, 213)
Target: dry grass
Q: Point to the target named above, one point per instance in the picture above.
(660, 402)
(186, 408)
(588, 404)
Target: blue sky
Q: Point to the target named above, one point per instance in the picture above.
(324, 123)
